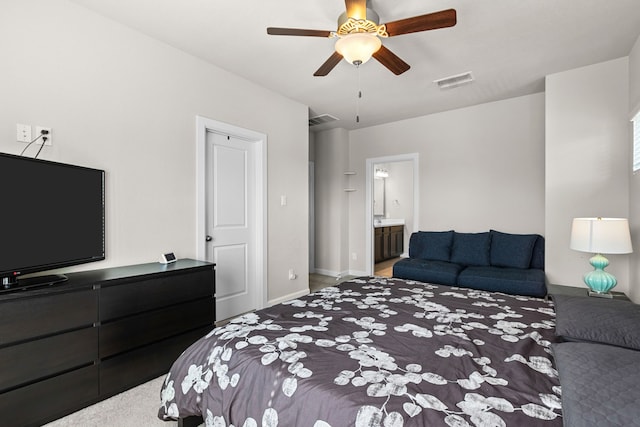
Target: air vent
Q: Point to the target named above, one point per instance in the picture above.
(322, 119)
(454, 81)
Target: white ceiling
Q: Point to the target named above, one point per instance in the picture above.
(509, 45)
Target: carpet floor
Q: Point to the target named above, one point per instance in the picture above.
(137, 407)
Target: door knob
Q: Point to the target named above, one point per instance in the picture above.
(208, 238)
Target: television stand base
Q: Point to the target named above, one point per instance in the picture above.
(25, 283)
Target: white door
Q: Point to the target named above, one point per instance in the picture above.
(230, 223)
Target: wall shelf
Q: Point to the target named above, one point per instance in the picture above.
(349, 174)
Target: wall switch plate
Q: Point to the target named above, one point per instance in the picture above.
(23, 133)
(49, 140)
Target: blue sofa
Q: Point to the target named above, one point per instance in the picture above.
(490, 261)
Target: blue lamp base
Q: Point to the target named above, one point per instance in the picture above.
(599, 281)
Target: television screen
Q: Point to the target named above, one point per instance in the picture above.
(52, 215)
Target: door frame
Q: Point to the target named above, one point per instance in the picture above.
(368, 222)
(204, 125)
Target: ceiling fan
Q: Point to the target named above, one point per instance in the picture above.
(359, 35)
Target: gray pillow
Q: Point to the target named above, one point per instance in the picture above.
(599, 320)
(600, 384)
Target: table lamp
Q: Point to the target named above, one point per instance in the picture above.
(600, 236)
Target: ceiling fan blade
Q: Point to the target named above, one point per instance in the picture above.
(356, 9)
(329, 65)
(430, 21)
(275, 31)
(390, 60)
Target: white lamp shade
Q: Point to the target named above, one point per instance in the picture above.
(601, 235)
(358, 46)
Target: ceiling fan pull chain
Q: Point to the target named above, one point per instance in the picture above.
(359, 95)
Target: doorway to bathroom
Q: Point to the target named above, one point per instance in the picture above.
(392, 201)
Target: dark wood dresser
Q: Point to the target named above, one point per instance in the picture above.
(101, 332)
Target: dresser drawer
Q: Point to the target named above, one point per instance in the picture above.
(47, 400)
(26, 318)
(135, 331)
(124, 299)
(30, 361)
(135, 367)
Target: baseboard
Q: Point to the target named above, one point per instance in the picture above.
(288, 297)
(336, 274)
(331, 273)
(357, 273)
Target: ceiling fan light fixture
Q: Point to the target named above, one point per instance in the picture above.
(357, 48)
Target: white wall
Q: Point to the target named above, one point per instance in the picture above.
(123, 102)
(634, 184)
(587, 162)
(331, 201)
(480, 167)
(634, 78)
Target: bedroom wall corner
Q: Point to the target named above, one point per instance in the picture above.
(121, 101)
(634, 185)
(480, 167)
(587, 163)
(331, 201)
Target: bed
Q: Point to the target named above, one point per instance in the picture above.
(375, 352)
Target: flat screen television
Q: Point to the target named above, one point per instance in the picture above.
(53, 216)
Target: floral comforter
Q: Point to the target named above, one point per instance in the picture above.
(375, 352)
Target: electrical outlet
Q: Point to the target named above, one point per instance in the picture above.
(354, 256)
(292, 274)
(49, 136)
(23, 133)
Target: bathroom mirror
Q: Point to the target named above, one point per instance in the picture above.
(378, 191)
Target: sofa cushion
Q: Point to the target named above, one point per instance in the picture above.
(471, 248)
(599, 384)
(607, 321)
(433, 245)
(515, 281)
(430, 271)
(512, 250)
(537, 257)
